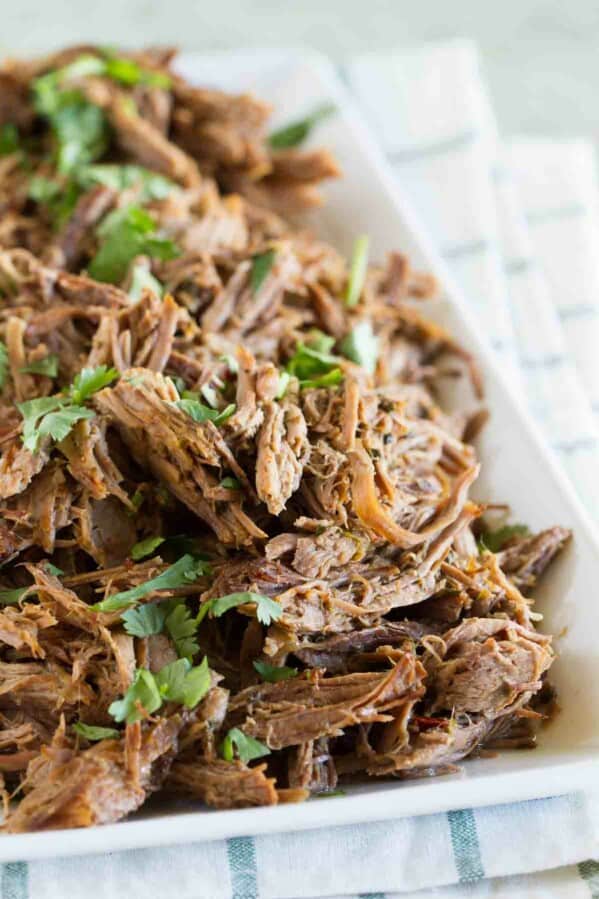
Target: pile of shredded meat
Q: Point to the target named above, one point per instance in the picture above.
(239, 561)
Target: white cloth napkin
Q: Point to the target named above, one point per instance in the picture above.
(518, 223)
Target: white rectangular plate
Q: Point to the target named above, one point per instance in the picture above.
(516, 469)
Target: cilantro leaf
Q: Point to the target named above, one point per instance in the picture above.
(90, 380)
(81, 133)
(196, 684)
(125, 234)
(331, 379)
(267, 610)
(199, 412)
(53, 569)
(261, 266)
(357, 271)
(494, 541)
(272, 673)
(145, 547)
(185, 571)
(143, 279)
(247, 747)
(92, 733)
(312, 363)
(284, 379)
(296, 132)
(230, 484)
(34, 410)
(181, 627)
(141, 699)
(361, 346)
(12, 597)
(60, 199)
(179, 682)
(47, 366)
(3, 363)
(59, 424)
(144, 621)
(151, 186)
(128, 72)
(9, 139)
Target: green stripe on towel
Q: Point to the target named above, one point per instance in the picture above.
(466, 851)
(15, 880)
(241, 853)
(589, 871)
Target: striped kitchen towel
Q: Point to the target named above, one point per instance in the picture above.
(527, 257)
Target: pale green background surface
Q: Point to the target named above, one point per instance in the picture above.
(540, 56)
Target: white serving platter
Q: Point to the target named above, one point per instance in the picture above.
(517, 469)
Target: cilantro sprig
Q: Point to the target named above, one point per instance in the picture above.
(272, 674)
(93, 734)
(154, 618)
(357, 271)
(47, 366)
(124, 234)
(200, 412)
(313, 364)
(361, 346)
(295, 133)
(177, 682)
(494, 541)
(55, 416)
(3, 364)
(247, 748)
(261, 266)
(185, 571)
(267, 610)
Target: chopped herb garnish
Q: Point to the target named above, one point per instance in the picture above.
(296, 132)
(92, 733)
(247, 747)
(361, 346)
(145, 547)
(187, 570)
(9, 139)
(151, 186)
(90, 380)
(329, 794)
(141, 699)
(357, 271)
(177, 682)
(284, 379)
(181, 683)
(143, 279)
(125, 234)
(230, 484)
(313, 364)
(47, 366)
(273, 673)
(199, 412)
(181, 626)
(53, 569)
(494, 541)
(127, 71)
(144, 621)
(3, 363)
(267, 610)
(60, 199)
(12, 597)
(261, 266)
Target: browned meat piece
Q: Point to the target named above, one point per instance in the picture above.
(18, 466)
(299, 710)
(223, 784)
(40, 512)
(486, 665)
(181, 452)
(311, 767)
(316, 555)
(43, 691)
(96, 786)
(15, 105)
(525, 559)
(282, 450)
(19, 628)
(89, 460)
(333, 653)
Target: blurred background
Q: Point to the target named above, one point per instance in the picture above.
(540, 56)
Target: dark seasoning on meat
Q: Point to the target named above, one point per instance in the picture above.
(239, 558)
